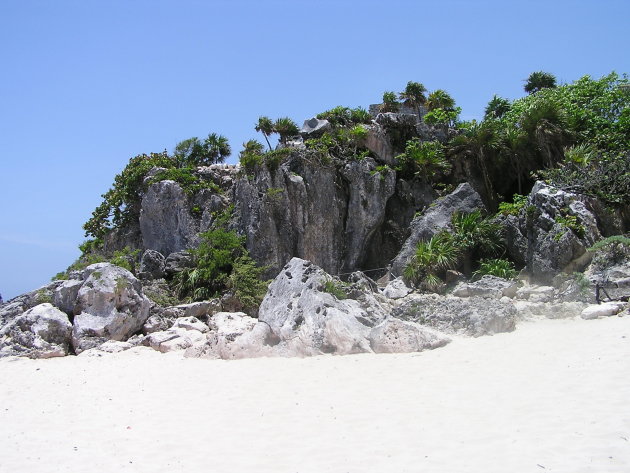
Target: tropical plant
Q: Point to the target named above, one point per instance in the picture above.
(251, 156)
(265, 126)
(610, 251)
(286, 128)
(414, 95)
(345, 117)
(336, 288)
(514, 207)
(431, 259)
(539, 80)
(475, 236)
(500, 268)
(246, 282)
(390, 102)
(440, 99)
(497, 107)
(422, 158)
(192, 152)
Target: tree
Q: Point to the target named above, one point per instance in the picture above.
(422, 158)
(539, 80)
(475, 236)
(192, 152)
(497, 107)
(265, 126)
(286, 128)
(431, 259)
(440, 99)
(414, 95)
(216, 149)
(390, 102)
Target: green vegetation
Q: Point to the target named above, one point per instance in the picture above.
(92, 252)
(610, 251)
(414, 95)
(345, 117)
(572, 223)
(194, 152)
(336, 288)
(422, 158)
(390, 102)
(501, 268)
(539, 80)
(431, 259)
(186, 177)
(514, 207)
(285, 127)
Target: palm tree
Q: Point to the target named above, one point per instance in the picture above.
(188, 152)
(474, 234)
(286, 128)
(430, 259)
(546, 126)
(440, 99)
(265, 126)
(390, 102)
(215, 149)
(414, 95)
(539, 80)
(497, 107)
(514, 147)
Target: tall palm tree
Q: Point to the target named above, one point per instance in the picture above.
(497, 107)
(414, 95)
(390, 102)
(440, 99)
(539, 80)
(216, 148)
(188, 152)
(265, 126)
(514, 147)
(546, 126)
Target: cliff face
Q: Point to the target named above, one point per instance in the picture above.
(342, 219)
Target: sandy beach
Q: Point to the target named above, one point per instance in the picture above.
(552, 396)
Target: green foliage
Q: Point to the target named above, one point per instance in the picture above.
(497, 107)
(473, 232)
(187, 178)
(286, 128)
(345, 116)
(582, 283)
(341, 143)
(265, 126)
(274, 192)
(572, 223)
(246, 282)
(539, 80)
(126, 258)
(121, 203)
(422, 158)
(336, 288)
(431, 259)
(274, 158)
(252, 156)
(193, 152)
(442, 117)
(414, 95)
(390, 102)
(501, 268)
(514, 207)
(440, 99)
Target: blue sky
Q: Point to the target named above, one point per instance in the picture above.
(86, 85)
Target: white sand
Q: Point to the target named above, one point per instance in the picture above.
(552, 396)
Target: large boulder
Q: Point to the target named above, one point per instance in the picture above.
(436, 218)
(488, 286)
(552, 232)
(41, 332)
(110, 305)
(152, 265)
(314, 128)
(235, 335)
(473, 316)
(186, 333)
(399, 336)
(18, 305)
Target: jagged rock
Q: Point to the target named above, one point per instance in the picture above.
(187, 334)
(473, 316)
(398, 336)
(534, 293)
(16, 306)
(157, 323)
(539, 240)
(41, 332)
(436, 218)
(360, 283)
(110, 306)
(309, 321)
(165, 220)
(488, 286)
(235, 335)
(152, 265)
(602, 310)
(314, 212)
(200, 310)
(65, 295)
(396, 289)
(314, 128)
(377, 141)
(177, 262)
(559, 310)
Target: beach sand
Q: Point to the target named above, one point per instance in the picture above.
(552, 396)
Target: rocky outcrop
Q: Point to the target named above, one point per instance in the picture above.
(474, 316)
(602, 310)
(186, 333)
(436, 218)
(551, 234)
(41, 332)
(488, 286)
(152, 265)
(110, 305)
(315, 212)
(314, 128)
(399, 336)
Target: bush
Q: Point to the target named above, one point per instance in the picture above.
(610, 251)
(501, 268)
(336, 288)
(245, 280)
(345, 117)
(514, 207)
(422, 158)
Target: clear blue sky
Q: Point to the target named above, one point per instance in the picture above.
(86, 85)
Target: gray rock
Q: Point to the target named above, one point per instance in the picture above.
(177, 262)
(314, 128)
(165, 220)
(535, 293)
(488, 286)
(436, 218)
(377, 141)
(181, 337)
(602, 310)
(235, 335)
(474, 316)
(65, 295)
(16, 306)
(157, 323)
(308, 321)
(152, 265)
(200, 310)
(558, 310)
(396, 289)
(41, 332)
(107, 348)
(398, 336)
(110, 306)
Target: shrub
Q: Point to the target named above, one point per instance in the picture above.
(422, 158)
(189, 181)
(610, 251)
(514, 207)
(501, 268)
(336, 288)
(345, 117)
(431, 259)
(245, 280)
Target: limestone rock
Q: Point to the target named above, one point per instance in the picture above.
(556, 310)
(109, 347)
(152, 265)
(110, 306)
(474, 316)
(396, 289)
(488, 286)
(535, 293)
(65, 295)
(187, 334)
(235, 335)
(41, 332)
(602, 310)
(16, 306)
(398, 336)
(314, 128)
(436, 218)
(177, 261)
